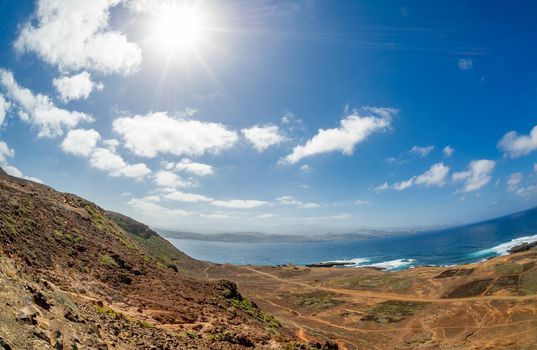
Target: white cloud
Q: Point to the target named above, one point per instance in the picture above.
(435, 176)
(403, 185)
(80, 142)
(262, 137)
(39, 111)
(361, 202)
(448, 151)
(114, 165)
(382, 187)
(513, 181)
(266, 216)
(465, 63)
(290, 200)
(11, 170)
(305, 168)
(74, 35)
(111, 144)
(239, 203)
(477, 175)
(199, 169)
(525, 192)
(169, 179)
(421, 151)
(76, 87)
(353, 130)
(148, 207)
(516, 145)
(4, 108)
(5, 152)
(157, 133)
(186, 197)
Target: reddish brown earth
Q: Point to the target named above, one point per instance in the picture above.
(489, 305)
(73, 276)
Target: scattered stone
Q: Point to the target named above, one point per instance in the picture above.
(41, 301)
(3, 344)
(71, 316)
(42, 334)
(27, 315)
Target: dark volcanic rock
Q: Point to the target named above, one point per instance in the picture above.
(523, 247)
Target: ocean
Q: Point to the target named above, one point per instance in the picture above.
(453, 246)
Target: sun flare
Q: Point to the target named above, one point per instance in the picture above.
(180, 27)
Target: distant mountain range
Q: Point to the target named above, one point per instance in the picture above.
(523, 221)
(258, 237)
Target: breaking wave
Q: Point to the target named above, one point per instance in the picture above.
(503, 249)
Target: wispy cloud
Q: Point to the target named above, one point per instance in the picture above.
(421, 151)
(465, 63)
(435, 176)
(477, 176)
(448, 151)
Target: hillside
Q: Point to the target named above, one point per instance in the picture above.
(73, 276)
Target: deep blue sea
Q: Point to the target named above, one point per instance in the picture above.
(446, 247)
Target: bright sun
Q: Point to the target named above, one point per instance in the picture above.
(180, 27)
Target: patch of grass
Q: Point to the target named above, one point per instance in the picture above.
(392, 311)
(528, 282)
(510, 268)
(65, 301)
(384, 281)
(146, 324)
(189, 334)
(107, 260)
(470, 289)
(108, 311)
(317, 300)
(251, 309)
(82, 267)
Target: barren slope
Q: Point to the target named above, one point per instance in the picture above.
(72, 278)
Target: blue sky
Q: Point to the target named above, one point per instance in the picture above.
(299, 116)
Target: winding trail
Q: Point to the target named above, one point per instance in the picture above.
(391, 296)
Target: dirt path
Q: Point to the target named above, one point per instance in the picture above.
(390, 296)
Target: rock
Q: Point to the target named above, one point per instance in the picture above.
(58, 340)
(330, 346)
(523, 247)
(41, 301)
(71, 316)
(3, 344)
(27, 315)
(42, 334)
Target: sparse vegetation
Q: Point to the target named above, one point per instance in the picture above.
(392, 311)
(384, 281)
(528, 282)
(317, 300)
(107, 260)
(510, 268)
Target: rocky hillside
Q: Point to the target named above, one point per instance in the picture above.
(73, 276)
